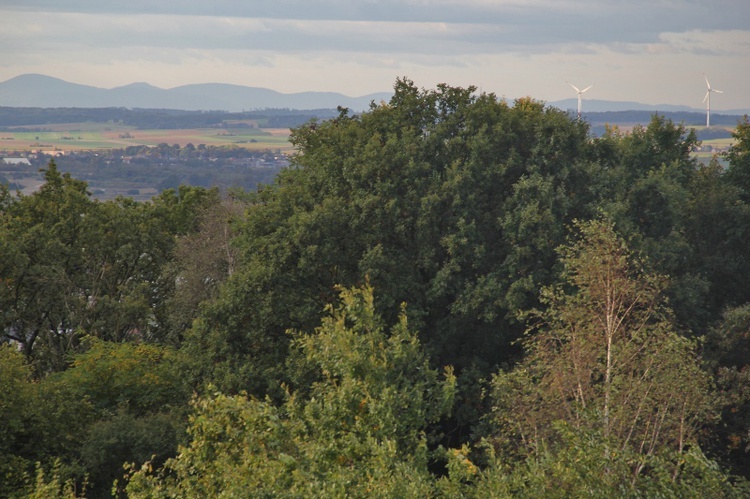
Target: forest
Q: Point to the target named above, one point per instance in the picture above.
(448, 295)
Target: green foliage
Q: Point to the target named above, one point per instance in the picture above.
(72, 266)
(124, 438)
(645, 186)
(738, 173)
(203, 260)
(15, 407)
(384, 387)
(42, 233)
(136, 393)
(62, 419)
(360, 432)
(605, 358)
(582, 464)
(727, 356)
(141, 378)
(450, 201)
(53, 487)
(117, 403)
(38, 422)
(716, 230)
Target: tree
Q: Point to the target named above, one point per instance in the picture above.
(604, 357)
(39, 423)
(449, 201)
(738, 156)
(716, 229)
(574, 467)
(359, 432)
(43, 234)
(137, 397)
(203, 260)
(71, 266)
(15, 407)
(727, 357)
(644, 185)
(129, 249)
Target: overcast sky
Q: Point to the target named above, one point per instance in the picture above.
(654, 51)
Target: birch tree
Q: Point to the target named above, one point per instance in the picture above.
(605, 357)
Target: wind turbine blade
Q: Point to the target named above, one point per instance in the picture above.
(708, 85)
(706, 97)
(717, 91)
(574, 88)
(586, 88)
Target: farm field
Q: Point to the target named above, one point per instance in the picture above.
(713, 147)
(96, 136)
(83, 151)
(245, 133)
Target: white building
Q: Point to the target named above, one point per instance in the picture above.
(17, 161)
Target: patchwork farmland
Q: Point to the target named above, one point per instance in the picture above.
(98, 136)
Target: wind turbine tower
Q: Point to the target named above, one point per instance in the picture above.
(579, 92)
(707, 100)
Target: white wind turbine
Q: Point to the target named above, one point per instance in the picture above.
(707, 100)
(579, 92)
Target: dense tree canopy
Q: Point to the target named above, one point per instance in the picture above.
(74, 267)
(362, 324)
(359, 432)
(450, 202)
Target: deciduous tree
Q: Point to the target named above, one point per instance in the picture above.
(359, 432)
(447, 200)
(604, 357)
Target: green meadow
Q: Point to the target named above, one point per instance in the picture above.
(87, 136)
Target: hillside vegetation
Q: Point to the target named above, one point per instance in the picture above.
(445, 296)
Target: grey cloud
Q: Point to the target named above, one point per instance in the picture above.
(636, 20)
(54, 32)
(278, 36)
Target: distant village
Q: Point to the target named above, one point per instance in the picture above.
(143, 171)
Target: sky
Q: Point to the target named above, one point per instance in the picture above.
(653, 52)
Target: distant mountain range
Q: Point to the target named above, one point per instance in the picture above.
(35, 90)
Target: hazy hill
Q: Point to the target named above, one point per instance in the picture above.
(34, 90)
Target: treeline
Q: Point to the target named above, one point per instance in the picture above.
(446, 296)
(289, 118)
(189, 151)
(599, 121)
(687, 118)
(155, 118)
